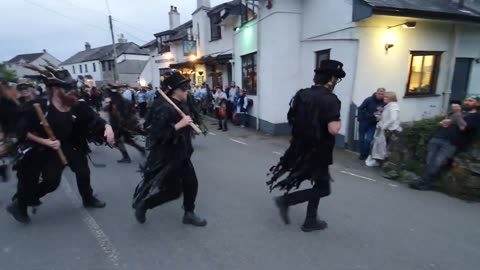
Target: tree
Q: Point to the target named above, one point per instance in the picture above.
(6, 74)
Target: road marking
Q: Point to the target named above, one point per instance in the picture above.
(103, 241)
(393, 185)
(233, 140)
(277, 153)
(359, 176)
(211, 133)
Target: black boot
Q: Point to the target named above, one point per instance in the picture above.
(3, 173)
(420, 184)
(19, 212)
(93, 202)
(141, 212)
(192, 219)
(283, 207)
(313, 224)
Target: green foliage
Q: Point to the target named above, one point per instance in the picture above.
(7, 74)
(417, 137)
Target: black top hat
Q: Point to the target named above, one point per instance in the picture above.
(173, 81)
(54, 76)
(333, 67)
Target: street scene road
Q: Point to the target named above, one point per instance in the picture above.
(373, 223)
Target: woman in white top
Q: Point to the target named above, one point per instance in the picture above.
(387, 129)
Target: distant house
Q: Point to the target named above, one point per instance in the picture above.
(94, 66)
(15, 64)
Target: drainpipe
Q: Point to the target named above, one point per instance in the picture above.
(451, 69)
(259, 69)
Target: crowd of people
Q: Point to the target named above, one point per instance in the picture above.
(380, 127)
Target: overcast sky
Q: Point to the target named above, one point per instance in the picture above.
(63, 26)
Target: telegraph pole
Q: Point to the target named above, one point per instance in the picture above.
(115, 74)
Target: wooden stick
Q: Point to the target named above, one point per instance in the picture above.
(49, 131)
(193, 125)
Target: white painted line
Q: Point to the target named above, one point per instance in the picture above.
(233, 140)
(277, 153)
(359, 176)
(393, 185)
(103, 241)
(211, 133)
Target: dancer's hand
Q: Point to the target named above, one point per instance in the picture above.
(55, 145)
(187, 120)
(109, 135)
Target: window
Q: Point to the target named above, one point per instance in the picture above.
(162, 46)
(86, 68)
(94, 67)
(103, 66)
(422, 78)
(320, 56)
(80, 67)
(249, 73)
(109, 65)
(249, 10)
(215, 28)
(73, 69)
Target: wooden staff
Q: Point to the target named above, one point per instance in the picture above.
(193, 125)
(49, 131)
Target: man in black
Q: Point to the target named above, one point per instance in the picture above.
(9, 109)
(73, 123)
(169, 171)
(315, 119)
(453, 133)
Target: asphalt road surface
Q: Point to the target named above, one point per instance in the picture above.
(373, 223)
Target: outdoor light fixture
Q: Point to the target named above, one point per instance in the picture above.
(236, 29)
(406, 25)
(388, 46)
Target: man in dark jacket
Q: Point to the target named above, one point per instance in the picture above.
(367, 119)
(72, 123)
(169, 171)
(315, 119)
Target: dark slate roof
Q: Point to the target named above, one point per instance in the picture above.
(104, 53)
(28, 57)
(149, 44)
(131, 66)
(181, 31)
(231, 8)
(430, 9)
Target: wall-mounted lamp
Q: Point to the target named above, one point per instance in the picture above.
(236, 29)
(407, 25)
(200, 73)
(388, 46)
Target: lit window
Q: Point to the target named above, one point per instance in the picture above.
(249, 73)
(422, 79)
(249, 10)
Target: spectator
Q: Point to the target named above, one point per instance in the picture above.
(220, 106)
(231, 94)
(242, 108)
(387, 131)
(128, 95)
(142, 102)
(368, 114)
(453, 133)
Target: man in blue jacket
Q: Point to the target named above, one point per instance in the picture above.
(368, 121)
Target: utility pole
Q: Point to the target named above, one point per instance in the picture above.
(115, 74)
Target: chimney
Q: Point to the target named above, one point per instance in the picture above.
(87, 46)
(122, 39)
(174, 17)
(203, 3)
(44, 51)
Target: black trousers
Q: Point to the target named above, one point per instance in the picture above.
(47, 165)
(142, 109)
(130, 141)
(182, 180)
(320, 189)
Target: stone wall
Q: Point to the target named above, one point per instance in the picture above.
(407, 159)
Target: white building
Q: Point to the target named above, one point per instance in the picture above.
(95, 65)
(15, 64)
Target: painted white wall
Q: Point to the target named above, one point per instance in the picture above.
(20, 71)
(124, 57)
(201, 30)
(469, 47)
(96, 75)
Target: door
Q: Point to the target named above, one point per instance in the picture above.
(461, 76)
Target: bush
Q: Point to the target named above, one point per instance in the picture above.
(417, 136)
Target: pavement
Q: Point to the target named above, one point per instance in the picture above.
(374, 223)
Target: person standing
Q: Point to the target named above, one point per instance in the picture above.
(9, 111)
(232, 94)
(169, 171)
(220, 106)
(242, 108)
(73, 123)
(368, 116)
(142, 102)
(315, 119)
(453, 133)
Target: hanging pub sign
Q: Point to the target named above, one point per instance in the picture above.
(189, 47)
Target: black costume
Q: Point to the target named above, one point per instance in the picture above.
(125, 124)
(9, 111)
(168, 171)
(311, 148)
(74, 129)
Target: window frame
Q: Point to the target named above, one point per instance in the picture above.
(161, 47)
(81, 69)
(86, 68)
(245, 65)
(103, 66)
(435, 72)
(109, 63)
(319, 53)
(246, 5)
(94, 67)
(215, 28)
(73, 69)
